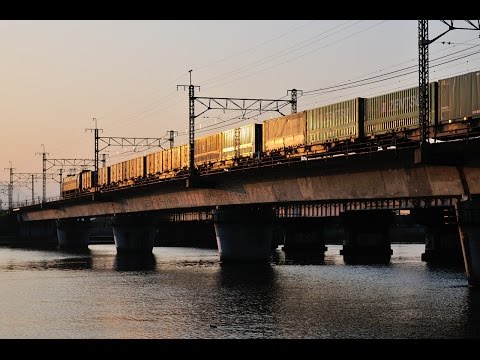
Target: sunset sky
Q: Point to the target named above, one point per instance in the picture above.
(56, 76)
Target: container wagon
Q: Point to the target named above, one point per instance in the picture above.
(335, 123)
(459, 98)
(70, 185)
(241, 142)
(104, 176)
(397, 113)
(286, 132)
(208, 150)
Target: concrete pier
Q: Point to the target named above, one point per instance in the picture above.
(244, 234)
(442, 241)
(38, 233)
(74, 234)
(468, 214)
(367, 237)
(305, 240)
(199, 234)
(134, 233)
(304, 235)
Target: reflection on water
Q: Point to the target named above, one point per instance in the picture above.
(243, 316)
(52, 260)
(188, 293)
(135, 262)
(299, 257)
(246, 275)
(74, 263)
(472, 313)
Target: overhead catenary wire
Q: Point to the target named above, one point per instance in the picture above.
(278, 54)
(164, 99)
(345, 86)
(289, 32)
(156, 104)
(384, 74)
(297, 57)
(159, 102)
(379, 75)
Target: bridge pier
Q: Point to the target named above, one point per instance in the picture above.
(367, 236)
(41, 233)
(74, 234)
(468, 215)
(442, 242)
(304, 236)
(187, 233)
(244, 233)
(134, 232)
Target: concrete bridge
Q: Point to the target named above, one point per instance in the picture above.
(366, 189)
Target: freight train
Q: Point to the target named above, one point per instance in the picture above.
(392, 116)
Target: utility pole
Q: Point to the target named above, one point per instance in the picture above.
(118, 141)
(293, 101)
(60, 173)
(33, 192)
(44, 171)
(423, 69)
(57, 162)
(171, 136)
(191, 118)
(28, 180)
(10, 187)
(95, 132)
(104, 160)
(217, 103)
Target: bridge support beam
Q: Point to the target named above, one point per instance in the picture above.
(74, 234)
(38, 233)
(304, 236)
(134, 233)
(244, 234)
(468, 215)
(367, 236)
(442, 241)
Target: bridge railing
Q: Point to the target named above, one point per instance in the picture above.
(18, 204)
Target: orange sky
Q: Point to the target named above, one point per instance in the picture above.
(55, 76)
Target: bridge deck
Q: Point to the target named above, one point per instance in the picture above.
(385, 178)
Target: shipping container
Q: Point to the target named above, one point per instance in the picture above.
(124, 168)
(185, 156)
(114, 173)
(128, 169)
(104, 176)
(154, 163)
(151, 168)
(117, 172)
(459, 97)
(167, 160)
(159, 167)
(86, 177)
(285, 131)
(179, 157)
(208, 149)
(150, 164)
(135, 168)
(242, 141)
(176, 158)
(336, 122)
(397, 111)
(70, 184)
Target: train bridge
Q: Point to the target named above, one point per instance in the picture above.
(365, 188)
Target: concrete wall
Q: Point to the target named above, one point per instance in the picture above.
(400, 182)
